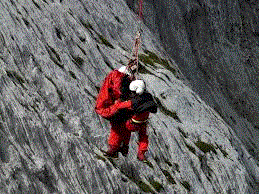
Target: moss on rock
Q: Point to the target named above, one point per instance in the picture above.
(158, 186)
(104, 41)
(151, 58)
(168, 176)
(166, 111)
(205, 147)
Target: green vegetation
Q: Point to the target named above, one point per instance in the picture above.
(146, 59)
(104, 41)
(140, 183)
(142, 69)
(205, 147)
(144, 187)
(158, 186)
(186, 185)
(152, 55)
(168, 176)
(167, 112)
(151, 58)
(78, 61)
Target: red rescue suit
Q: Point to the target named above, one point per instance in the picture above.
(112, 104)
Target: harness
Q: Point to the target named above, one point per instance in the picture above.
(138, 122)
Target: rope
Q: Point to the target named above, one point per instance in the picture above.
(138, 35)
(137, 42)
(140, 9)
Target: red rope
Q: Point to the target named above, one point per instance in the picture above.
(136, 45)
(141, 9)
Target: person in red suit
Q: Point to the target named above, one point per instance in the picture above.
(127, 105)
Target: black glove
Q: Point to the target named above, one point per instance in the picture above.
(143, 102)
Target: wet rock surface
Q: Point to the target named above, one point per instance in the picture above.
(53, 58)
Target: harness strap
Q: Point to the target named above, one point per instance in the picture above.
(138, 122)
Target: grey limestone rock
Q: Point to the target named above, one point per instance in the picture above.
(215, 44)
(54, 55)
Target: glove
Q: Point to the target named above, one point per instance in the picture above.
(120, 111)
(112, 110)
(137, 86)
(123, 105)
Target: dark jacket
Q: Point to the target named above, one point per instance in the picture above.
(144, 102)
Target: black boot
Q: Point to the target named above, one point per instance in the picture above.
(111, 152)
(124, 150)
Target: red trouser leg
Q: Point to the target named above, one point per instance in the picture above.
(143, 139)
(118, 134)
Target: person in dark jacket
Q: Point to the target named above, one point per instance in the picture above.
(142, 105)
(126, 108)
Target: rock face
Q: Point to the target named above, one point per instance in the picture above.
(53, 58)
(216, 45)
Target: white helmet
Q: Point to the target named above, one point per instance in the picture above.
(138, 86)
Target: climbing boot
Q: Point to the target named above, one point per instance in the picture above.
(124, 150)
(112, 152)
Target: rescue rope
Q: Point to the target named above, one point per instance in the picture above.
(141, 9)
(137, 42)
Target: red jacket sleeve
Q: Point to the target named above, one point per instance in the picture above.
(105, 105)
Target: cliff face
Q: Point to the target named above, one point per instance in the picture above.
(215, 44)
(53, 58)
